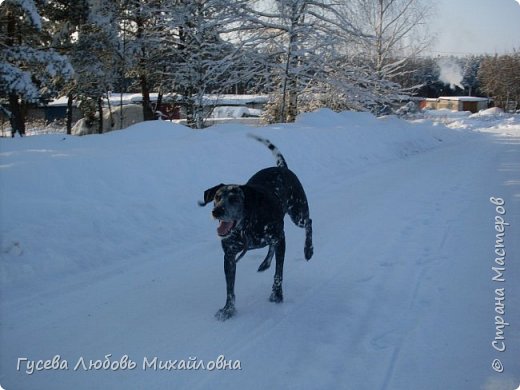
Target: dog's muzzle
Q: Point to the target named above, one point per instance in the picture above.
(224, 228)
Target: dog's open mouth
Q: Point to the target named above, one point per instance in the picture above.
(224, 228)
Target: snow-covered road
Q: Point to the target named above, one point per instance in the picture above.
(399, 295)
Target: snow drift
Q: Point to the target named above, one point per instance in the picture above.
(106, 255)
(64, 197)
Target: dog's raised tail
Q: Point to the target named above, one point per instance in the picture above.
(280, 161)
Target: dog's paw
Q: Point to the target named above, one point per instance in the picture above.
(276, 297)
(225, 313)
(309, 251)
(265, 265)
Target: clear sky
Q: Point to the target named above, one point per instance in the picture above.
(476, 26)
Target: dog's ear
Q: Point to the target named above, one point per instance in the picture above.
(209, 194)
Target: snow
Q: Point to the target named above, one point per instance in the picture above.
(104, 251)
(132, 113)
(493, 111)
(464, 98)
(235, 112)
(209, 99)
(14, 79)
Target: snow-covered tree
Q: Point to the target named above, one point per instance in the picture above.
(299, 39)
(420, 75)
(96, 65)
(470, 81)
(94, 54)
(499, 78)
(198, 56)
(395, 32)
(142, 25)
(31, 71)
(65, 20)
(350, 85)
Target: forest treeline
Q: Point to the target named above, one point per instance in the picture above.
(305, 54)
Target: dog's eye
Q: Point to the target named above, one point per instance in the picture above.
(233, 199)
(217, 198)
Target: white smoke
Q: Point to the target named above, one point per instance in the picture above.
(451, 72)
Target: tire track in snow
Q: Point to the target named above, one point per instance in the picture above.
(442, 210)
(420, 241)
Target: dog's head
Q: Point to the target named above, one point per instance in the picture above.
(228, 201)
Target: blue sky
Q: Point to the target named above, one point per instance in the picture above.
(476, 26)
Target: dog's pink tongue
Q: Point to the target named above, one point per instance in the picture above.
(224, 228)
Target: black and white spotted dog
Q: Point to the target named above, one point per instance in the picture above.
(251, 216)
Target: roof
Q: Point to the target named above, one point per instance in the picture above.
(464, 98)
(208, 100)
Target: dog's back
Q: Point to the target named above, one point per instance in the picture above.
(282, 183)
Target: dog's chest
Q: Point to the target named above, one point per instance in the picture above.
(254, 237)
(264, 236)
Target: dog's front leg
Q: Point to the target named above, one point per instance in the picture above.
(277, 294)
(230, 270)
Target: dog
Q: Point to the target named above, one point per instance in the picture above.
(251, 216)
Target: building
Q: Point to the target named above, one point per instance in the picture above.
(456, 103)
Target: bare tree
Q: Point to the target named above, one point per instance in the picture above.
(141, 24)
(197, 56)
(299, 38)
(499, 77)
(396, 31)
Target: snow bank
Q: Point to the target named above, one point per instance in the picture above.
(493, 111)
(235, 112)
(445, 113)
(73, 204)
(132, 113)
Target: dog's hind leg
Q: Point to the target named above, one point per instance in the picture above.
(309, 249)
(298, 210)
(267, 261)
(305, 222)
(277, 294)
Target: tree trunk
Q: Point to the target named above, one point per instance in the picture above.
(284, 89)
(17, 117)
(379, 39)
(159, 103)
(199, 113)
(100, 111)
(189, 106)
(148, 113)
(69, 114)
(289, 105)
(292, 109)
(112, 122)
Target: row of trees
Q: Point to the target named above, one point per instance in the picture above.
(495, 76)
(355, 54)
(344, 52)
(499, 77)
